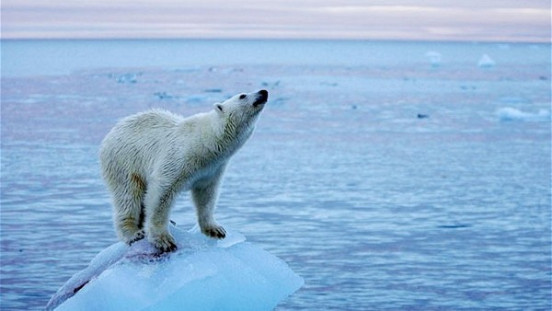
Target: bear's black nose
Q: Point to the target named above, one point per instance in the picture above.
(264, 94)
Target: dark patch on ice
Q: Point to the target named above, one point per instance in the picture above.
(153, 257)
(423, 116)
(213, 91)
(78, 288)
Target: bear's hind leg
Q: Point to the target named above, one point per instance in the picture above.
(129, 210)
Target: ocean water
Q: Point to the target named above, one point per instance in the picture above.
(389, 175)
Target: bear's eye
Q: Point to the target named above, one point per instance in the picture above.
(242, 96)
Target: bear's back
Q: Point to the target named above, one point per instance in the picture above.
(138, 139)
(150, 120)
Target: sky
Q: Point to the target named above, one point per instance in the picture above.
(467, 20)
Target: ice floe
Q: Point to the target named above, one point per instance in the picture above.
(513, 114)
(486, 62)
(203, 274)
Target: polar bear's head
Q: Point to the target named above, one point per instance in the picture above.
(240, 112)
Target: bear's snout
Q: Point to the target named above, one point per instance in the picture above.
(262, 97)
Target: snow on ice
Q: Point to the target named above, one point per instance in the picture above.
(204, 274)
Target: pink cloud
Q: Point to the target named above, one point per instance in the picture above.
(349, 19)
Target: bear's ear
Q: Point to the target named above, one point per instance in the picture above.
(219, 108)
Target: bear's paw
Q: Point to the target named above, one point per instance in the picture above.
(216, 232)
(137, 236)
(164, 242)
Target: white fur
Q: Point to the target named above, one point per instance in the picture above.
(149, 157)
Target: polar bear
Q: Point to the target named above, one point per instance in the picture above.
(149, 157)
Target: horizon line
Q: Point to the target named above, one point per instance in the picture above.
(237, 38)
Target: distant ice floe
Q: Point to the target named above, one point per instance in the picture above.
(434, 58)
(513, 114)
(203, 274)
(127, 78)
(486, 62)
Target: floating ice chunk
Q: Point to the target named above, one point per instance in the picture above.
(486, 62)
(204, 274)
(128, 78)
(434, 58)
(513, 114)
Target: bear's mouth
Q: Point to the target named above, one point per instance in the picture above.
(259, 102)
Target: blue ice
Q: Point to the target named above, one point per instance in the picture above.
(204, 274)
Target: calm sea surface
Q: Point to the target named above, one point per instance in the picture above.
(390, 176)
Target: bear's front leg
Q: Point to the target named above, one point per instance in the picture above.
(205, 196)
(157, 218)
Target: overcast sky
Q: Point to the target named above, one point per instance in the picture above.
(467, 20)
